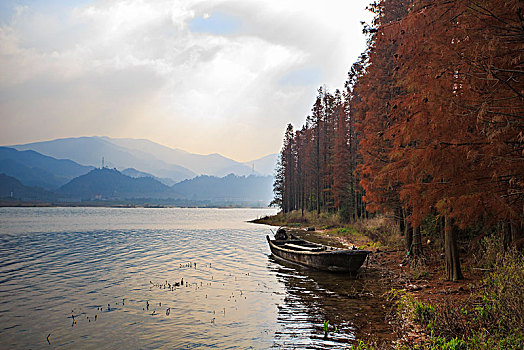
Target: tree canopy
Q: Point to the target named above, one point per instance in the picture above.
(431, 122)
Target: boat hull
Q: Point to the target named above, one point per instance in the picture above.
(340, 260)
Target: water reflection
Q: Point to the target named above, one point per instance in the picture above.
(352, 304)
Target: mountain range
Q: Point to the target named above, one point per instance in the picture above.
(170, 165)
(91, 150)
(104, 184)
(129, 169)
(35, 169)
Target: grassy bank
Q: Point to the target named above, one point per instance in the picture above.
(296, 219)
(483, 311)
(375, 233)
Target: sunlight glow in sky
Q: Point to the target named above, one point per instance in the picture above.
(221, 76)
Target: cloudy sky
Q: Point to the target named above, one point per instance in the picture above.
(221, 76)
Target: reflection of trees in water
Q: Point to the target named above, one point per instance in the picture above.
(353, 304)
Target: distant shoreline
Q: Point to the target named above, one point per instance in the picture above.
(27, 204)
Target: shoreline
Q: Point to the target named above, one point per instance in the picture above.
(411, 286)
(9, 204)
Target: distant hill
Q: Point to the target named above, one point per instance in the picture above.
(111, 184)
(35, 169)
(147, 169)
(209, 164)
(90, 150)
(143, 155)
(230, 188)
(265, 165)
(132, 172)
(11, 188)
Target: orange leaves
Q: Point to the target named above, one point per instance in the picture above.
(437, 106)
(455, 76)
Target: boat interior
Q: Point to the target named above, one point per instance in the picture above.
(298, 244)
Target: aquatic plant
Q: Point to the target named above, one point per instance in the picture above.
(326, 326)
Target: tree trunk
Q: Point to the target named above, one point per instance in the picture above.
(453, 272)
(356, 208)
(417, 242)
(441, 229)
(401, 221)
(409, 238)
(302, 199)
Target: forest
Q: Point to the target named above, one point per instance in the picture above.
(429, 126)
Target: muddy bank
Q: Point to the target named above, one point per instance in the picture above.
(400, 278)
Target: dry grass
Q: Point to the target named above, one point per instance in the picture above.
(296, 219)
(376, 232)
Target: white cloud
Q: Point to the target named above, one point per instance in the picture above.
(136, 65)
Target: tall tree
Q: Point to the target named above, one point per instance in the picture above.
(342, 163)
(379, 88)
(447, 159)
(284, 185)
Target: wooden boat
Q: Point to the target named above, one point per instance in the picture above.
(318, 256)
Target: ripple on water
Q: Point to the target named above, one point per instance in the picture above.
(56, 263)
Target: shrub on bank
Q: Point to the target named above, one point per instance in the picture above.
(490, 319)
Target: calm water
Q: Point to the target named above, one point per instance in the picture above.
(104, 278)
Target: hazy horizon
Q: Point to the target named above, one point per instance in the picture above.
(206, 77)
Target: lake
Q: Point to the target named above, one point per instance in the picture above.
(173, 278)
